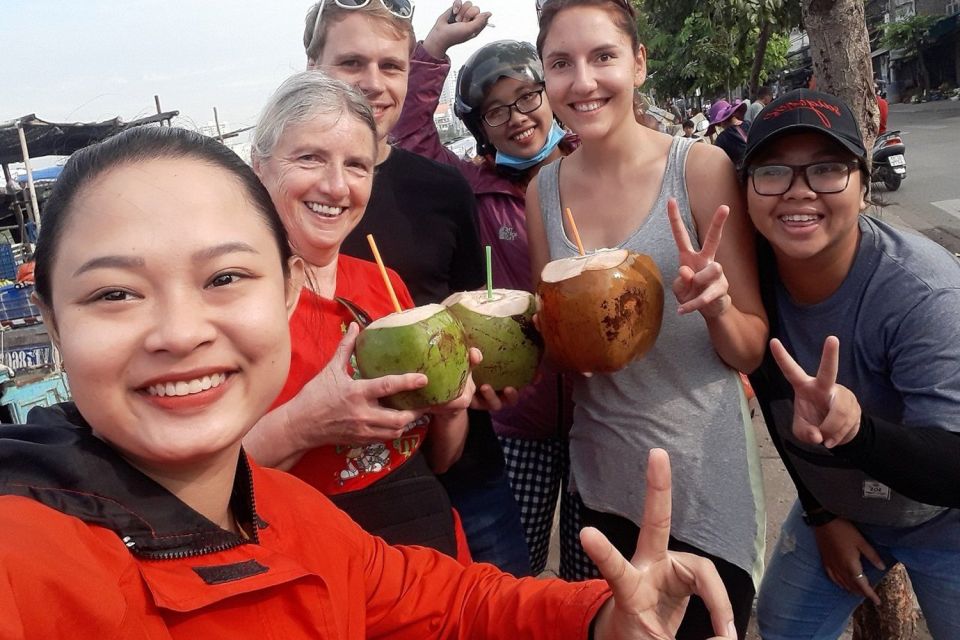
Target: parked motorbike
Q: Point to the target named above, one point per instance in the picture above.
(889, 163)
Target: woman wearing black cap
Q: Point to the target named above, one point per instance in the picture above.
(872, 440)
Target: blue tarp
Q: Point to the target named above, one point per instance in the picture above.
(47, 173)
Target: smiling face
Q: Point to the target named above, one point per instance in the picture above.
(800, 224)
(366, 53)
(524, 134)
(591, 71)
(319, 176)
(169, 307)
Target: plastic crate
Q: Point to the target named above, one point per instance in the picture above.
(21, 395)
(8, 263)
(15, 303)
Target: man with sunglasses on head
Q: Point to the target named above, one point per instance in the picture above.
(422, 214)
(860, 388)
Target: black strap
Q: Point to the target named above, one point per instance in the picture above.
(408, 506)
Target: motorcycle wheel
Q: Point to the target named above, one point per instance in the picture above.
(892, 183)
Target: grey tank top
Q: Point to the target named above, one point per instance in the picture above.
(680, 396)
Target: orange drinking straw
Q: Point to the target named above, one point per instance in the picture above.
(383, 272)
(573, 227)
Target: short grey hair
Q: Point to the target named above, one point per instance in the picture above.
(302, 97)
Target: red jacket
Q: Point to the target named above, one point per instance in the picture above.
(310, 572)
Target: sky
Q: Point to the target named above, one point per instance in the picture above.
(89, 60)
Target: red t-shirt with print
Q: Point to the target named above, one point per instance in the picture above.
(316, 328)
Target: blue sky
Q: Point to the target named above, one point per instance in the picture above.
(86, 60)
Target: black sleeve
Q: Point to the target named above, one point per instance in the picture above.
(922, 463)
(807, 501)
(468, 270)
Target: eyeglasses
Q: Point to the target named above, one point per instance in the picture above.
(401, 8)
(623, 3)
(821, 177)
(526, 103)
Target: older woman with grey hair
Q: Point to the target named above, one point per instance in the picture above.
(315, 149)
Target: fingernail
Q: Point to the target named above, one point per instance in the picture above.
(732, 630)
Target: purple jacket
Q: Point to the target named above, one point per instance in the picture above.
(502, 222)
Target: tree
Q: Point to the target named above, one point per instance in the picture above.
(714, 45)
(840, 48)
(912, 35)
(773, 16)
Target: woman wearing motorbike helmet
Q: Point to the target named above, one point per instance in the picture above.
(501, 99)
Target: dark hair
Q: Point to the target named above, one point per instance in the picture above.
(141, 144)
(764, 92)
(621, 12)
(688, 123)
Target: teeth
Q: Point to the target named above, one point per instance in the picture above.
(186, 387)
(523, 135)
(588, 106)
(325, 210)
(799, 218)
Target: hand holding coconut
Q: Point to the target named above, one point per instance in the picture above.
(651, 590)
(334, 408)
(499, 322)
(701, 284)
(824, 412)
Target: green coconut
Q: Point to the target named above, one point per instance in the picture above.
(600, 311)
(501, 327)
(427, 340)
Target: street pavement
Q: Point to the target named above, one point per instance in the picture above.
(928, 201)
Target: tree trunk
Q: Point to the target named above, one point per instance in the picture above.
(924, 73)
(895, 618)
(758, 57)
(840, 48)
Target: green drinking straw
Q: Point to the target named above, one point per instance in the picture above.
(489, 273)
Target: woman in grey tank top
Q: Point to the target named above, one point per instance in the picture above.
(684, 395)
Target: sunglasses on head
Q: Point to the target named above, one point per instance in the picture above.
(401, 8)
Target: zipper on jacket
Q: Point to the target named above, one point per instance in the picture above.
(180, 554)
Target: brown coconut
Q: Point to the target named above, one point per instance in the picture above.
(600, 311)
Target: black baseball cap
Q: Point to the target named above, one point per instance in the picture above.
(805, 110)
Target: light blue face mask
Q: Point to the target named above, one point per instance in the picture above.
(553, 139)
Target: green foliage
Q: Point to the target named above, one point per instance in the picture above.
(910, 34)
(712, 44)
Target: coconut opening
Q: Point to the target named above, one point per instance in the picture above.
(503, 304)
(406, 318)
(566, 268)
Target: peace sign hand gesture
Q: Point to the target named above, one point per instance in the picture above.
(700, 285)
(651, 591)
(824, 412)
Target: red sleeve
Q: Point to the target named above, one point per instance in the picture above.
(443, 599)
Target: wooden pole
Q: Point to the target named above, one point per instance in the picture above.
(34, 207)
(216, 121)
